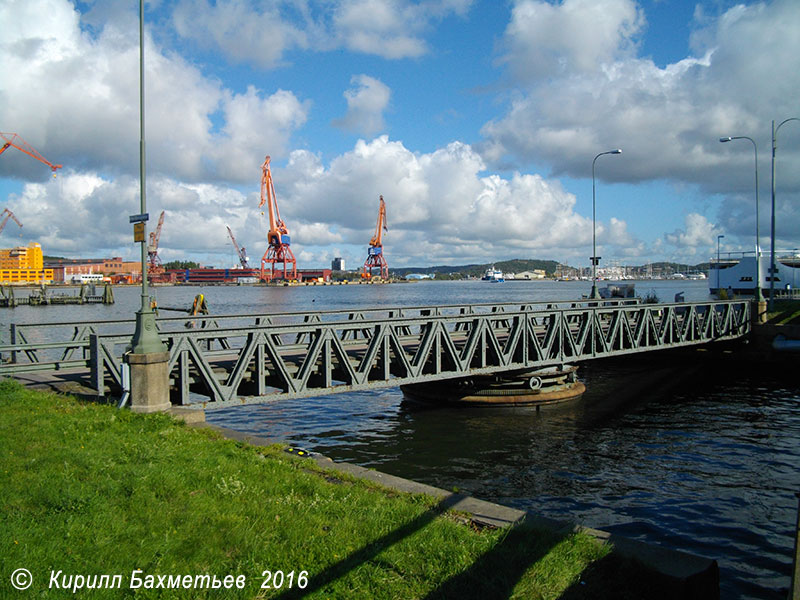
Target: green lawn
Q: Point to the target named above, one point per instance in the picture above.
(87, 490)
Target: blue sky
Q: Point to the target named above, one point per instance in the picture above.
(476, 120)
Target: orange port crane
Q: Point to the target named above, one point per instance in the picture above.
(15, 140)
(278, 240)
(8, 215)
(153, 260)
(241, 252)
(375, 258)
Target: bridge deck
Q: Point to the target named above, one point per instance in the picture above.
(248, 359)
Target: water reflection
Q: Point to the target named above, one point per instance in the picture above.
(702, 457)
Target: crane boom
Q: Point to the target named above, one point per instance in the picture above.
(377, 239)
(152, 247)
(241, 252)
(277, 228)
(15, 140)
(8, 215)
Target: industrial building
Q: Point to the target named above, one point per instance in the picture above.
(24, 264)
(68, 269)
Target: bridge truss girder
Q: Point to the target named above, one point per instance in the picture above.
(235, 366)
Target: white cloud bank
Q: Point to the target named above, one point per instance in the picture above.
(440, 207)
(584, 92)
(76, 94)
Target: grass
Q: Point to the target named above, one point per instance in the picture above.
(91, 490)
(785, 312)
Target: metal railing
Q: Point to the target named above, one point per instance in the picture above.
(311, 354)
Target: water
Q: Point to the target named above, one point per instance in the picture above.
(702, 457)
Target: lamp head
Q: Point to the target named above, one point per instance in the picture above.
(617, 151)
(725, 139)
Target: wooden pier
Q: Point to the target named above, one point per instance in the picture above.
(45, 297)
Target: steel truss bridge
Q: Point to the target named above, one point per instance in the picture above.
(234, 359)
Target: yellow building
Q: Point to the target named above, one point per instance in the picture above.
(24, 265)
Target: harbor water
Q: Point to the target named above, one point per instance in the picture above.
(693, 454)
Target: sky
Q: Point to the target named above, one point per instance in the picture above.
(480, 122)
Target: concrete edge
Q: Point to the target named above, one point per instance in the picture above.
(691, 576)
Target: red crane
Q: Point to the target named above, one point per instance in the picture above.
(278, 240)
(153, 260)
(375, 258)
(241, 252)
(13, 139)
(8, 215)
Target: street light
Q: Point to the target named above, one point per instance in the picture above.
(719, 237)
(757, 296)
(595, 294)
(145, 337)
(772, 228)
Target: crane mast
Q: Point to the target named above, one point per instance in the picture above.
(15, 140)
(278, 239)
(153, 260)
(240, 252)
(375, 258)
(8, 215)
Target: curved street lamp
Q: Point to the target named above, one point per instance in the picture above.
(595, 259)
(772, 228)
(757, 295)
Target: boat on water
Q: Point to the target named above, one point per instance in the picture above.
(738, 273)
(543, 387)
(618, 290)
(493, 275)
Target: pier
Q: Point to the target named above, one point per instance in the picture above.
(44, 296)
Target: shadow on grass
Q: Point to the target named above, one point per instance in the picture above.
(492, 575)
(496, 573)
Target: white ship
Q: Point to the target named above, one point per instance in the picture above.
(493, 275)
(738, 274)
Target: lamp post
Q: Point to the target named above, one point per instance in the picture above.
(772, 228)
(719, 237)
(595, 294)
(145, 337)
(757, 296)
(147, 358)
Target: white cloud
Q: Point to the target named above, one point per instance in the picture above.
(84, 215)
(365, 105)
(668, 120)
(263, 35)
(572, 36)
(698, 233)
(439, 207)
(243, 31)
(71, 93)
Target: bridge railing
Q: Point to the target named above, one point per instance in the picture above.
(261, 357)
(282, 360)
(37, 343)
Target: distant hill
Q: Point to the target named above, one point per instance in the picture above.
(516, 265)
